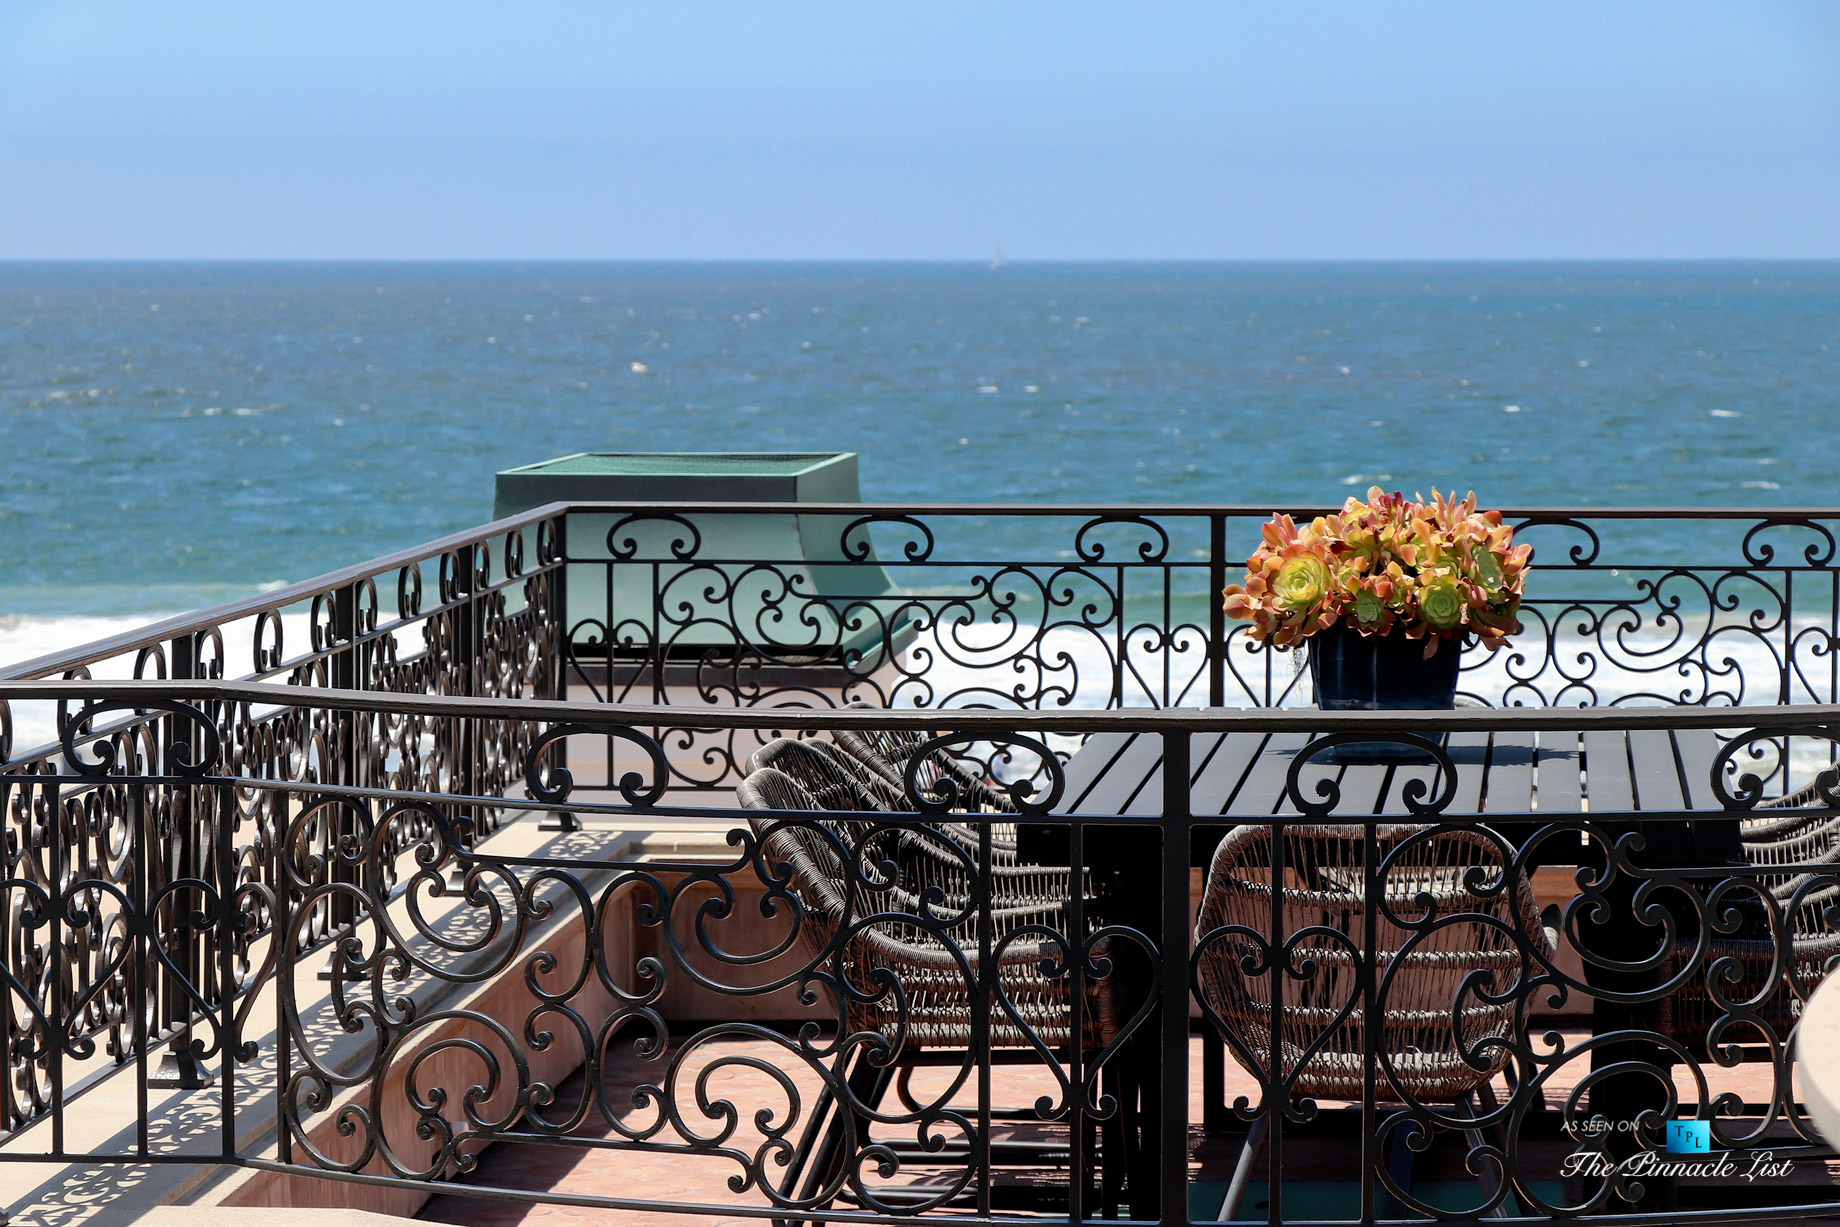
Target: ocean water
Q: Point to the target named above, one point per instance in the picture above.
(180, 434)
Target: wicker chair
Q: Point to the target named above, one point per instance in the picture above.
(1422, 1057)
(1421, 1054)
(839, 781)
(934, 1008)
(938, 999)
(886, 794)
(1806, 835)
(887, 753)
(1794, 839)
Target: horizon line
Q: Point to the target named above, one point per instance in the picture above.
(980, 261)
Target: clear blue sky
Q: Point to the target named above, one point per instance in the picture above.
(926, 130)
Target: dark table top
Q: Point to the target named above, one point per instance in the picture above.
(1542, 776)
(1242, 775)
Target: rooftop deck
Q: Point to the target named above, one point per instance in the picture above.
(370, 881)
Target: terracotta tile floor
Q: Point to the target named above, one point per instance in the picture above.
(656, 1175)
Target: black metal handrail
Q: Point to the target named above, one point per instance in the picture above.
(157, 635)
(1774, 717)
(1046, 606)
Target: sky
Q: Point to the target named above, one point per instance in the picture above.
(684, 130)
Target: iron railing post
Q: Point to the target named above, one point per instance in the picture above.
(984, 1002)
(13, 1107)
(1217, 613)
(1079, 1181)
(228, 1036)
(1370, 1017)
(555, 642)
(463, 672)
(55, 886)
(168, 923)
(342, 668)
(146, 933)
(1277, 962)
(1214, 1114)
(557, 581)
(1174, 989)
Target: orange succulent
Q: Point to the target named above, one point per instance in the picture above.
(1438, 570)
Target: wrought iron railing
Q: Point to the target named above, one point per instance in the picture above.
(1050, 608)
(178, 843)
(1025, 607)
(471, 614)
(896, 931)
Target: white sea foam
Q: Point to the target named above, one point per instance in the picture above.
(988, 662)
(27, 638)
(978, 667)
(24, 638)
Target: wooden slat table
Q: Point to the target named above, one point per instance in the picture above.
(1241, 776)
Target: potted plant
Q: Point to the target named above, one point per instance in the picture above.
(1385, 593)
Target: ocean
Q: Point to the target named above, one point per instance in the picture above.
(181, 434)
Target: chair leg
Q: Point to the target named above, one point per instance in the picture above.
(1214, 1114)
(1487, 1105)
(1091, 1177)
(903, 1089)
(819, 1141)
(1399, 1159)
(802, 1153)
(1508, 1076)
(868, 1084)
(1490, 1182)
(1242, 1171)
(1115, 1151)
(1143, 1089)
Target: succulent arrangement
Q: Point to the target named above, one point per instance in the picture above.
(1436, 571)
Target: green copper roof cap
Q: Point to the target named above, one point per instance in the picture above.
(805, 586)
(687, 464)
(681, 477)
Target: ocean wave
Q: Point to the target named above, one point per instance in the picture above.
(25, 638)
(1071, 668)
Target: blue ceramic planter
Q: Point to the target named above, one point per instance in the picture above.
(1385, 672)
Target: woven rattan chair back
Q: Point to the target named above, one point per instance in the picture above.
(1420, 976)
(837, 780)
(832, 779)
(936, 964)
(887, 795)
(1798, 845)
(887, 752)
(1797, 834)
